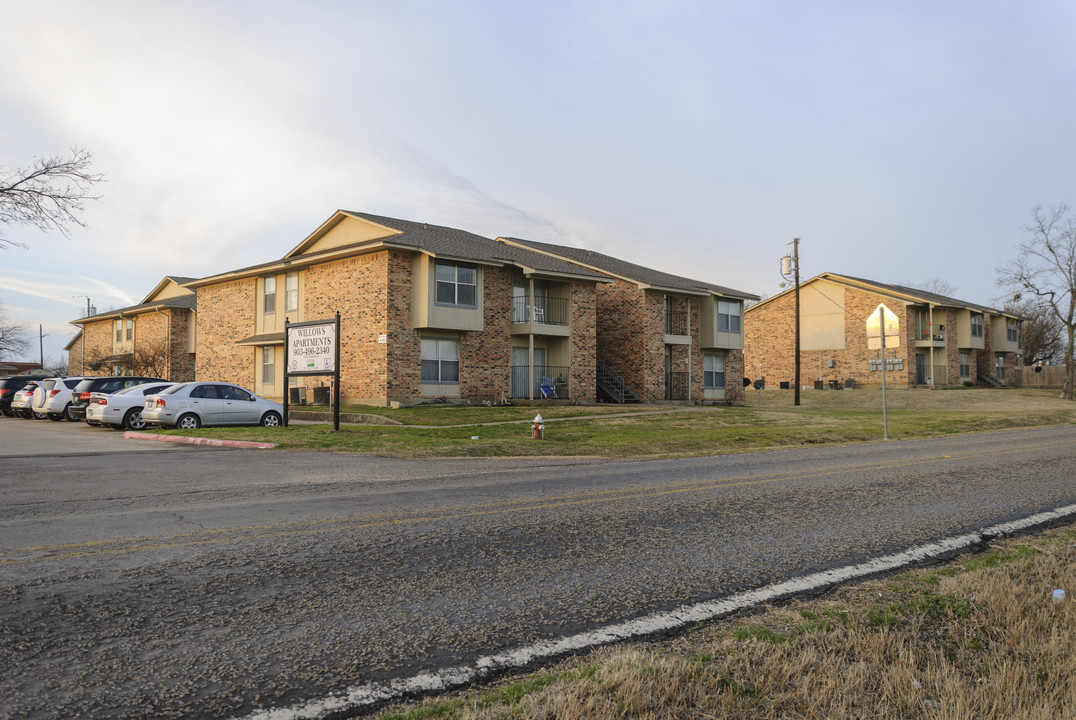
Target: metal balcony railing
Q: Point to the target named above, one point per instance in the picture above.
(676, 386)
(540, 309)
(675, 322)
(552, 382)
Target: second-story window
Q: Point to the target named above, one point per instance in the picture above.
(269, 296)
(130, 330)
(728, 316)
(119, 330)
(456, 285)
(976, 325)
(291, 292)
(1012, 330)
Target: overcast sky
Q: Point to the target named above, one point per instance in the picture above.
(901, 141)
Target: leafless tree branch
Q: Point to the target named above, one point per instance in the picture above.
(50, 194)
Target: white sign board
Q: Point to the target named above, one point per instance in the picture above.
(874, 328)
(312, 348)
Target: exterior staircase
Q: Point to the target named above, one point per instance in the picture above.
(613, 385)
(989, 380)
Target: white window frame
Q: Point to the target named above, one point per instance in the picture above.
(291, 292)
(269, 368)
(711, 374)
(443, 282)
(977, 327)
(965, 365)
(443, 354)
(729, 314)
(269, 296)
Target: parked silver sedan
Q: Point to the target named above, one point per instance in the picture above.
(193, 404)
(122, 410)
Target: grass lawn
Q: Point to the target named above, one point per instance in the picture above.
(825, 417)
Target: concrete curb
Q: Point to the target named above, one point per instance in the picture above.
(211, 442)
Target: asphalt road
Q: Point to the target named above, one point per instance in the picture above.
(195, 582)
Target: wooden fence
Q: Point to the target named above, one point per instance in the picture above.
(1051, 376)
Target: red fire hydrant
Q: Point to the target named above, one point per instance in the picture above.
(538, 426)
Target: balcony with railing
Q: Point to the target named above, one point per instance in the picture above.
(927, 336)
(540, 310)
(675, 325)
(550, 382)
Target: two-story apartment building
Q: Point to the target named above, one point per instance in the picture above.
(426, 312)
(942, 340)
(660, 337)
(155, 337)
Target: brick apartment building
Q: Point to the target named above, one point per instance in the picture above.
(942, 340)
(154, 338)
(425, 311)
(661, 337)
(435, 312)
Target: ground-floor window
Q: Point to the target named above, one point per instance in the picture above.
(269, 365)
(999, 367)
(965, 365)
(440, 360)
(713, 366)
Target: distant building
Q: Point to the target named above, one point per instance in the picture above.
(943, 340)
(9, 368)
(154, 338)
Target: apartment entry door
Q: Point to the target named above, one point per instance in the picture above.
(520, 366)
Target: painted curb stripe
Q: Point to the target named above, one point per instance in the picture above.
(131, 435)
(362, 696)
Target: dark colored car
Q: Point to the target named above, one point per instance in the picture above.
(11, 385)
(80, 395)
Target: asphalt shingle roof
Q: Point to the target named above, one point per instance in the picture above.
(451, 242)
(639, 273)
(929, 297)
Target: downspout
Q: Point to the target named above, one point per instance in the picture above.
(530, 343)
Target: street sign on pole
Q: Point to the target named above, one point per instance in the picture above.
(883, 330)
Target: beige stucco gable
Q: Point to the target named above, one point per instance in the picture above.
(341, 230)
(166, 290)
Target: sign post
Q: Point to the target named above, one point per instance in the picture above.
(313, 348)
(883, 328)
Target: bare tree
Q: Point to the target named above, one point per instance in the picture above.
(1044, 272)
(1040, 332)
(150, 359)
(13, 336)
(937, 286)
(49, 194)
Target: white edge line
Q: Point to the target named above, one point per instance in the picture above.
(361, 696)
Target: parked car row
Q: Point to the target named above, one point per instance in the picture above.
(132, 403)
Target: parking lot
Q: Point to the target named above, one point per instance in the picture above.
(35, 438)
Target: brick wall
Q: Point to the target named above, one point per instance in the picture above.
(584, 343)
(769, 342)
(181, 363)
(225, 315)
(358, 288)
(486, 356)
(619, 324)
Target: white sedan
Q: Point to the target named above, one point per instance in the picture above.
(193, 404)
(123, 408)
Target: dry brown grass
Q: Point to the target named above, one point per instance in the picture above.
(975, 638)
(904, 398)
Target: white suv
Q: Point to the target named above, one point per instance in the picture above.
(59, 398)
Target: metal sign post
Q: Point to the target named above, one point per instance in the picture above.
(883, 325)
(313, 348)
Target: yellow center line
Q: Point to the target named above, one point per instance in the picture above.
(120, 546)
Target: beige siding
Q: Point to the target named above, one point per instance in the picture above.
(349, 231)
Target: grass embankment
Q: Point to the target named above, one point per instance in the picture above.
(977, 637)
(649, 432)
